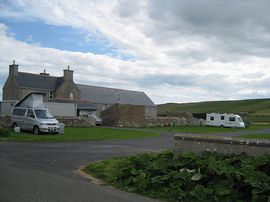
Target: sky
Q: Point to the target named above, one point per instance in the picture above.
(175, 51)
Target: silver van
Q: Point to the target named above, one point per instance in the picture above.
(38, 120)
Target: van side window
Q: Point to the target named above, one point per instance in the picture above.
(30, 113)
(212, 118)
(19, 112)
(222, 117)
(231, 118)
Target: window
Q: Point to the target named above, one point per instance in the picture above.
(43, 114)
(212, 118)
(222, 117)
(231, 118)
(30, 113)
(19, 111)
(239, 119)
(71, 96)
(50, 95)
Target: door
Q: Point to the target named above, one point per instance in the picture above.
(29, 120)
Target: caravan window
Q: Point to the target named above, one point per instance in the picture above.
(222, 117)
(212, 118)
(19, 111)
(231, 118)
(239, 119)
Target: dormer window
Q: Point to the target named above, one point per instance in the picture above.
(71, 96)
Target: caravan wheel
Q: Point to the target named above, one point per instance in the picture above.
(221, 126)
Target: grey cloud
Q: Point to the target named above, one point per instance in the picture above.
(161, 79)
(189, 53)
(127, 8)
(231, 27)
(214, 84)
(211, 82)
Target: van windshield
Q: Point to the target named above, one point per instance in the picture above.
(43, 114)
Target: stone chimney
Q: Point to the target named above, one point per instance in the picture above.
(44, 73)
(13, 69)
(68, 74)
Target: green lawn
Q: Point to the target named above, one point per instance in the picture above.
(80, 134)
(256, 136)
(204, 129)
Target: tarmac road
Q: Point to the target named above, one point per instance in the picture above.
(46, 171)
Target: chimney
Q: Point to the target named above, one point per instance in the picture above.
(68, 74)
(44, 73)
(13, 69)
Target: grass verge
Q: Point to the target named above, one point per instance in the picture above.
(205, 129)
(208, 177)
(256, 136)
(80, 134)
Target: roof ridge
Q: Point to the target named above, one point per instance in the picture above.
(109, 88)
(39, 75)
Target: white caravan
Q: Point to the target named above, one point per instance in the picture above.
(224, 120)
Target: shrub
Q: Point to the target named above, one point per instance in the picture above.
(208, 177)
(4, 132)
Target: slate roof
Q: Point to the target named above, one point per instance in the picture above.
(89, 94)
(27, 80)
(105, 95)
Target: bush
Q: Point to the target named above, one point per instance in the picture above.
(4, 132)
(208, 177)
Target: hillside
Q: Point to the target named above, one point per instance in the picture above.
(258, 109)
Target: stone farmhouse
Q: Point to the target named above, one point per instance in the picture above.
(63, 89)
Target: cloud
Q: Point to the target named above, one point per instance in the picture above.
(180, 50)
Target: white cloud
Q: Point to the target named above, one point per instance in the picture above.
(182, 51)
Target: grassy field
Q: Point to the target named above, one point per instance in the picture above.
(251, 106)
(258, 109)
(80, 134)
(204, 129)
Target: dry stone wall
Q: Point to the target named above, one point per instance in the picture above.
(224, 145)
(134, 116)
(123, 116)
(77, 122)
(5, 121)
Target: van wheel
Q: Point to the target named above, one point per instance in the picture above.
(221, 126)
(14, 125)
(35, 130)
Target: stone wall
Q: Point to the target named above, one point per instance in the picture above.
(134, 116)
(68, 121)
(172, 121)
(150, 112)
(225, 145)
(77, 122)
(5, 121)
(123, 116)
